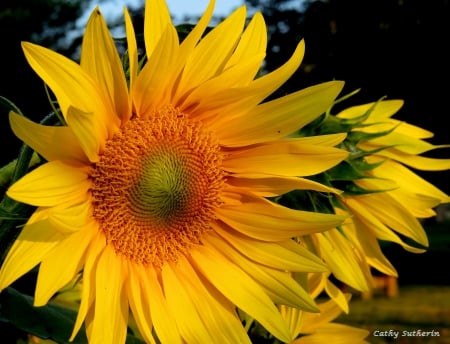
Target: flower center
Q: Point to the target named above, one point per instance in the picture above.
(163, 189)
(156, 186)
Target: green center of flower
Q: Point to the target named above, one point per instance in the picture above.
(162, 191)
(156, 187)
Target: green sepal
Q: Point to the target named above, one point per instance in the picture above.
(9, 106)
(362, 166)
(350, 169)
(351, 189)
(362, 153)
(344, 171)
(323, 125)
(306, 200)
(360, 136)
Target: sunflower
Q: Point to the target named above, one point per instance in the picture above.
(155, 188)
(386, 199)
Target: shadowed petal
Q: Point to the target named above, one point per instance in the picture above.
(57, 268)
(52, 142)
(33, 243)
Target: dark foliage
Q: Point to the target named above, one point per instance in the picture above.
(39, 21)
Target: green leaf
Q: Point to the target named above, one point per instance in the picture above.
(48, 322)
(360, 136)
(6, 173)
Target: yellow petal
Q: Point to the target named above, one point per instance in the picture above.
(151, 89)
(88, 293)
(329, 140)
(316, 282)
(52, 142)
(344, 260)
(201, 317)
(286, 255)
(412, 130)
(294, 319)
(268, 83)
(218, 313)
(139, 303)
(210, 55)
(329, 310)
(420, 206)
(163, 320)
(99, 57)
(415, 161)
(132, 53)
(253, 42)
(238, 101)
(111, 305)
(197, 101)
(156, 20)
(336, 334)
(58, 268)
(382, 110)
(280, 117)
(359, 233)
(270, 186)
(404, 143)
(183, 308)
(197, 32)
(395, 216)
(279, 285)
(337, 296)
(407, 180)
(52, 184)
(290, 157)
(375, 226)
(188, 45)
(240, 69)
(72, 218)
(248, 295)
(71, 84)
(33, 243)
(267, 221)
(89, 130)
